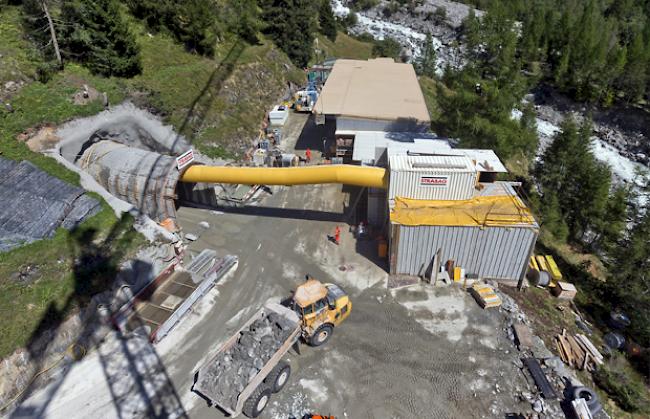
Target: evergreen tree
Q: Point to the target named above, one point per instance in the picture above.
(630, 282)
(244, 19)
(552, 218)
(326, 20)
(634, 77)
(195, 25)
(609, 228)
(96, 35)
(157, 14)
(425, 64)
(35, 21)
(571, 172)
(387, 47)
(470, 28)
(290, 25)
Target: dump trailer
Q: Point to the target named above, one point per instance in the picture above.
(248, 368)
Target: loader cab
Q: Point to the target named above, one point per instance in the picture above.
(321, 307)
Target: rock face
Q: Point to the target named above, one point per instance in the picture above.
(235, 367)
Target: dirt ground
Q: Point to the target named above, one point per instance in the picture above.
(410, 353)
(414, 352)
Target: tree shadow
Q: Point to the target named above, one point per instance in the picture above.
(135, 375)
(201, 105)
(196, 114)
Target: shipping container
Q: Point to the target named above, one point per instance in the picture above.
(432, 177)
(498, 252)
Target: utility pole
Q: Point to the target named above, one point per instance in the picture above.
(52, 33)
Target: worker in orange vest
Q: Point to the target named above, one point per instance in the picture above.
(337, 235)
(308, 155)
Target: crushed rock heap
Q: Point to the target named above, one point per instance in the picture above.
(237, 366)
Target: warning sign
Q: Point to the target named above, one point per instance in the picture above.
(185, 159)
(434, 181)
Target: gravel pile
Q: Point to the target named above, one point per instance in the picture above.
(234, 368)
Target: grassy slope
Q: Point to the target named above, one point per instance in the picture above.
(16, 63)
(344, 47)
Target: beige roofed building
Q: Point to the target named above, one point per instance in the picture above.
(377, 89)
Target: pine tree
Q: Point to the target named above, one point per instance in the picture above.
(290, 25)
(96, 35)
(39, 25)
(633, 79)
(552, 218)
(470, 28)
(196, 26)
(244, 19)
(425, 64)
(630, 282)
(157, 14)
(326, 20)
(609, 228)
(571, 172)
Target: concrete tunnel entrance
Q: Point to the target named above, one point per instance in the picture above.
(130, 153)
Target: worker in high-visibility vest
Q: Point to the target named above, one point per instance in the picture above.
(337, 235)
(308, 155)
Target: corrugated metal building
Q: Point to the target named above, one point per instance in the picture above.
(491, 235)
(431, 177)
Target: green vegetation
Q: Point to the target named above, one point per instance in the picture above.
(363, 4)
(623, 385)
(43, 282)
(96, 35)
(478, 99)
(575, 186)
(387, 47)
(19, 61)
(594, 50)
(290, 24)
(192, 23)
(345, 47)
(425, 64)
(326, 20)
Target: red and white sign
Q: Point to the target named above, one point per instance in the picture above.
(185, 159)
(434, 181)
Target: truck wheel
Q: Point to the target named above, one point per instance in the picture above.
(279, 377)
(322, 335)
(257, 402)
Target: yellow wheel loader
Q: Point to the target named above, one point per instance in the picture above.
(248, 368)
(320, 307)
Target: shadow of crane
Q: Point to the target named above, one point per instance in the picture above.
(136, 377)
(201, 105)
(198, 111)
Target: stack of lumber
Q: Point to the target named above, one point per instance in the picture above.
(485, 295)
(578, 351)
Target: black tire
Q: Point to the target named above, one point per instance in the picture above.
(257, 402)
(590, 397)
(279, 377)
(322, 335)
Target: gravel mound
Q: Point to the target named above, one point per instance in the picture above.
(234, 368)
